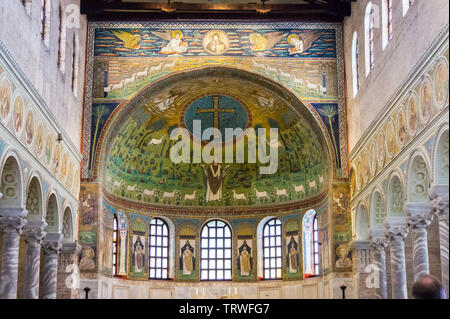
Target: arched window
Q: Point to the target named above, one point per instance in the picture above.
(272, 249)
(115, 246)
(369, 28)
(311, 244)
(75, 63)
(406, 4)
(27, 5)
(159, 249)
(215, 251)
(61, 40)
(355, 63)
(387, 22)
(45, 22)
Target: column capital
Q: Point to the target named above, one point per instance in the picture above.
(360, 245)
(418, 215)
(378, 239)
(13, 212)
(439, 196)
(396, 229)
(34, 231)
(11, 225)
(52, 243)
(71, 248)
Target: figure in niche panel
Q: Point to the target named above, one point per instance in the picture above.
(87, 260)
(343, 261)
(245, 257)
(292, 256)
(138, 253)
(187, 257)
(175, 45)
(18, 114)
(5, 99)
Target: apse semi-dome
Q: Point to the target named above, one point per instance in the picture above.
(139, 168)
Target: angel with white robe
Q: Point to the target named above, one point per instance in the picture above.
(175, 45)
(304, 41)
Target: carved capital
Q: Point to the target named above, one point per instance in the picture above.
(396, 229)
(440, 206)
(34, 232)
(52, 244)
(378, 243)
(12, 225)
(418, 215)
(439, 196)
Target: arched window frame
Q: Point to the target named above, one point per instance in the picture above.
(405, 5)
(27, 6)
(355, 63)
(45, 22)
(311, 257)
(387, 22)
(75, 63)
(115, 246)
(272, 249)
(316, 258)
(61, 39)
(216, 237)
(158, 249)
(369, 32)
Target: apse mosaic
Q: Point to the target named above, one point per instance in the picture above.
(306, 59)
(138, 165)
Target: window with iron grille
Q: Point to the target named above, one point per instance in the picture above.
(115, 245)
(272, 249)
(159, 249)
(215, 251)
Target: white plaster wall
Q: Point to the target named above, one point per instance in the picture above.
(412, 35)
(20, 33)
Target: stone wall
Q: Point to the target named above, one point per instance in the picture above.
(412, 35)
(39, 63)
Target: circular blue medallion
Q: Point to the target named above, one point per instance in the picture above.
(215, 111)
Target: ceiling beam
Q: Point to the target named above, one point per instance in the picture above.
(329, 10)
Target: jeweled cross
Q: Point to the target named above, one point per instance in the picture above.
(216, 111)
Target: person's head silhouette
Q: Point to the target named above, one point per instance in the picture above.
(428, 287)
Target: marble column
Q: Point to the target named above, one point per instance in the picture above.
(361, 259)
(12, 222)
(68, 272)
(33, 233)
(51, 246)
(378, 245)
(439, 196)
(396, 232)
(418, 219)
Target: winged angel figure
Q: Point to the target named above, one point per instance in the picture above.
(266, 41)
(304, 41)
(175, 45)
(130, 41)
